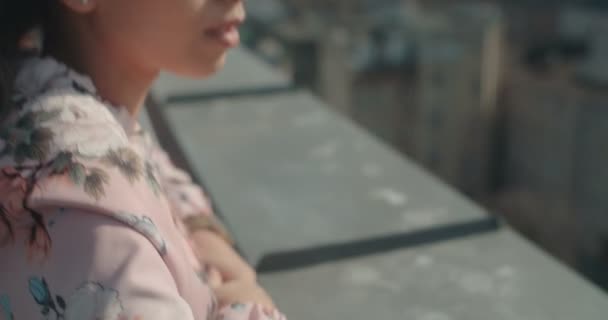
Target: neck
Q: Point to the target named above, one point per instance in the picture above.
(117, 79)
(118, 82)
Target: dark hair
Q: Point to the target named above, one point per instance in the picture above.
(17, 17)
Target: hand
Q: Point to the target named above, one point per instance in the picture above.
(243, 292)
(214, 251)
(214, 278)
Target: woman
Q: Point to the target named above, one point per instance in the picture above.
(95, 222)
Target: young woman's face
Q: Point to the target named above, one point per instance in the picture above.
(188, 37)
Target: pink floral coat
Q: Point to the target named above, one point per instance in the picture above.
(90, 211)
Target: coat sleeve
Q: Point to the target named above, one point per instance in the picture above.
(101, 268)
(104, 269)
(186, 197)
(189, 202)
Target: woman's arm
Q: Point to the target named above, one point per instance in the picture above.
(210, 240)
(103, 269)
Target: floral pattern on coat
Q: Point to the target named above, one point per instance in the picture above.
(91, 301)
(64, 147)
(94, 302)
(6, 311)
(145, 226)
(55, 131)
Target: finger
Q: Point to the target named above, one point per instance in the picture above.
(231, 265)
(214, 278)
(242, 292)
(234, 270)
(216, 252)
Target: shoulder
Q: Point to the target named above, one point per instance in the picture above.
(96, 265)
(61, 120)
(56, 109)
(63, 145)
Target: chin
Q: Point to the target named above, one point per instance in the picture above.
(202, 68)
(218, 65)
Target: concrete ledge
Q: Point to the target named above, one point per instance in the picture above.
(289, 175)
(497, 276)
(343, 227)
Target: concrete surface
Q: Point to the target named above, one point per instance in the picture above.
(289, 174)
(496, 276)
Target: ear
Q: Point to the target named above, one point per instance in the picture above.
(80, 6)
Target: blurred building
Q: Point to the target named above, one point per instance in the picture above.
(425, 82)
(591, 175)
(507, 103)
(368, 75)
(556, 121)
(542, 124)
(580, 23)
(536, 192)
(459, 72)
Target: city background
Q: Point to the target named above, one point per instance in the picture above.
(507, 101)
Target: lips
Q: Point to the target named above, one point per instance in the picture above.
(226, 33)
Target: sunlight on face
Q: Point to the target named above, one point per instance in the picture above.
(187, 37)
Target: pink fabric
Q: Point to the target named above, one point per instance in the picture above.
(186, 198)
(90, 212)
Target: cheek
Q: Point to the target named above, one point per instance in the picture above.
(143, 26)
(191, 53)
(165, 34)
